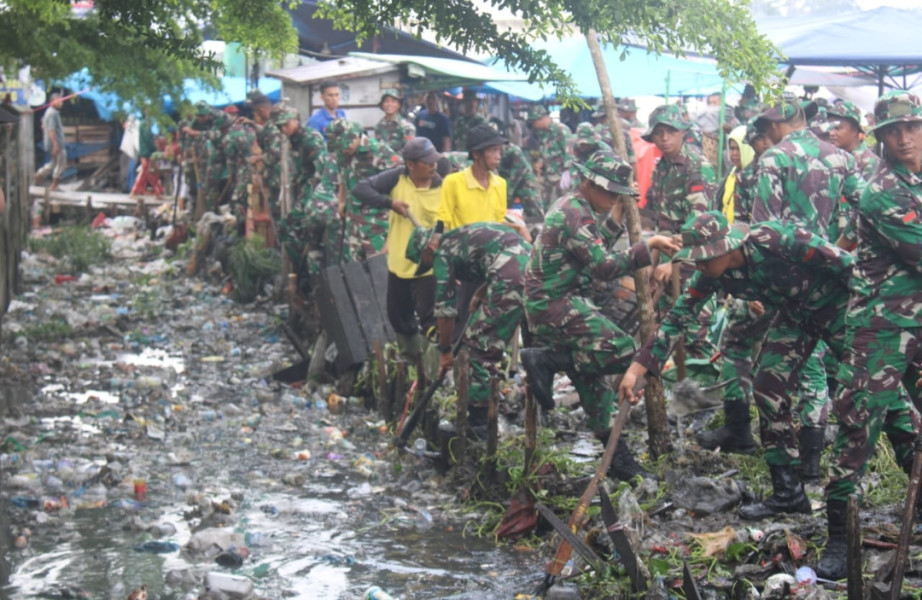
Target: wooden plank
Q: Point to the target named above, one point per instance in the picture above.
(78, 198)
(377, 269)
(366, 307)
(339, 318)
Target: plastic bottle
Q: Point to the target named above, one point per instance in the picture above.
(376, 593)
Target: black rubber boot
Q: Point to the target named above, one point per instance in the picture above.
(623, 464)
(736, 434)
(810, 441)
(477, 422)
(833, 563)
(541, 364)
(787, 496)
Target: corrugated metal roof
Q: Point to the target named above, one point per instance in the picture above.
(446, 71)
(341, 68)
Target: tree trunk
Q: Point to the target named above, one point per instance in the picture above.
(657, 424)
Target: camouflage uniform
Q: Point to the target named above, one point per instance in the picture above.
(198, 148)
(604, 132)
(395, 132)
(549, 151)
(367, 231)
(681, 188)
(568, 255)
(884, 336)
(269, 139)
(312, 225)
(481, 253)
(789, 269)
(461, 126)
(238, 146)
(216, 181)
(522, 187)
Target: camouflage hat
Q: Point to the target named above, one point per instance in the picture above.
(785, 110)
(536, 111)
(202, 109)
(281, 114)
(627, 104)
(819, 123)
(896, 106)
(747, 108)
(419, 239)
(390, 93)
(667, 114)
(709, 236)
(341, 133)
(846, 110)
(608, 171)
(586, 134)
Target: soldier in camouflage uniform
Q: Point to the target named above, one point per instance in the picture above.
(784, 267)
(601, 129)
(627, 110)
(884, 320)
(217, 182)
(269, 140)
(492, 257)
(682, 187)
(239, 146)
(196, 142)
(522, 187)
(358, 157)
(801, 179)
(580, 340)
(847, 135)
(548, 147)
(393, 129)
(467, 120)
(311, 228)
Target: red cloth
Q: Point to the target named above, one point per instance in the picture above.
(647, 154)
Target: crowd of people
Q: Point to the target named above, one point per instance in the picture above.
(812, 242)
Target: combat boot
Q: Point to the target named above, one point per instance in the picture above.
(477, 420)
(624, 466)
(810, 441)
(541, 364)
(833, 563)
(736, 434)
(787, 496)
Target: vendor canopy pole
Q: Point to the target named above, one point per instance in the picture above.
(657, 424)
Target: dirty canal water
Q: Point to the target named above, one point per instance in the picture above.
(145, 445)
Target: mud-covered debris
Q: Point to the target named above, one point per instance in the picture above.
(706, 495)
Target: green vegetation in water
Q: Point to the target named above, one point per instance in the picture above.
(78, 247)
(253, 266)
(48, 330)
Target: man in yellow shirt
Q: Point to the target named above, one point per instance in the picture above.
(413, 188)
(476, 194)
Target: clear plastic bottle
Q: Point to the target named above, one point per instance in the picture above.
(376, 593)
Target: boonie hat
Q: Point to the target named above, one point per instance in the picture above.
(202, 109)
(846, 110)
(627, 104)
(483, 136)
(667, 114)
(420, 148)
(586, 134)
(281, 114)
(896, 106)
(609, 171)
(419, 239)
(709, 236)
(535, 112)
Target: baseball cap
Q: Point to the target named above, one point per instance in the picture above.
(708, 236)
(535, 112)
(390, 93)
(896, 106)
(609, 171)
(420, 148)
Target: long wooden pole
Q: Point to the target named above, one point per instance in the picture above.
(657, 425)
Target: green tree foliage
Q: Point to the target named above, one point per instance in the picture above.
(721, 28)
(139, 49)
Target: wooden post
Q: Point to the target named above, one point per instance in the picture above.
(531, 431)
(492, 431)
(400, 392)
(657, 423)
(853, 529)
(383, 385)
(902, 550)
(462, 371)
(679, 354)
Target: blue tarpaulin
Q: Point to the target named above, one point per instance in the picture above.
(883, 41)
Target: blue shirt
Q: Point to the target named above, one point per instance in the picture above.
(436, 127)
(322, 117)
